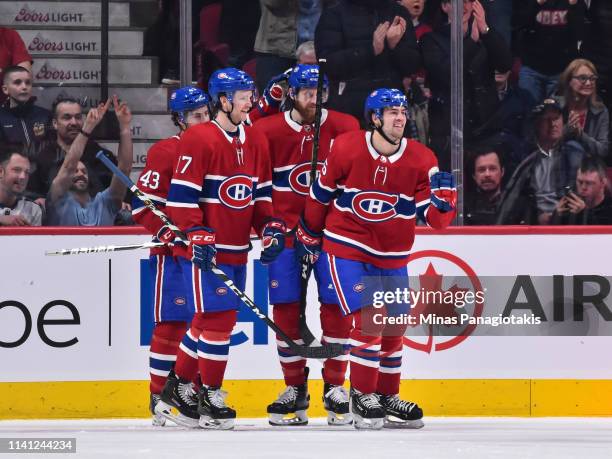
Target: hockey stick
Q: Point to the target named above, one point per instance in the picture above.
(104, 249)
(319, 352)
(306, 265)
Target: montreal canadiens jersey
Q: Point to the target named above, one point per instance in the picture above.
(224, 183)
(291, 151)
(366, 204)
(154, 181)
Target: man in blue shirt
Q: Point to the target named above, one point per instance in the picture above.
(69, 202)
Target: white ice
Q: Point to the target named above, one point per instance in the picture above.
(472, 438)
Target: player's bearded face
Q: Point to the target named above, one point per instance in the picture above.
(394, 122)
(306, 104)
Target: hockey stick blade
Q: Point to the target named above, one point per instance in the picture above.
(327, 351)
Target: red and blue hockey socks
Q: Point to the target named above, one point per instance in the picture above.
(336, 329)
(162, 352)
(187, 356)
(213, 346)
(286, 316)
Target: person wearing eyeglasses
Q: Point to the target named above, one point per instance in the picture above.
(587, 118)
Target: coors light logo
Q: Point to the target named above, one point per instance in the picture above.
(42, 44)
(48, 72)
(29, 15)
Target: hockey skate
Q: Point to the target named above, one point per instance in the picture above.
(289, 409)
(179, 402)
(214, 413)
(367, 411)
(336, 403)
(156, 419)
(401, 414)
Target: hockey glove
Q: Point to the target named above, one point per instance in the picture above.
(273, 95)
(201, 250)
(443, 191)
(307, 242)
(272, 240)
(167, 236)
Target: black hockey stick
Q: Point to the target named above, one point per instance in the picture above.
(306, 264)
(319, 352)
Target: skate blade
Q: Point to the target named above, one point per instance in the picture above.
(207, 422)
(392, 422)
(171, 413)
(337, 419)
(158, 420)
(368, 424)
(299, 418)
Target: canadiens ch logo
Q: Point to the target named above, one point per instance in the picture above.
(299, 178)
(221, 291)
(373, 206)
(236, 192)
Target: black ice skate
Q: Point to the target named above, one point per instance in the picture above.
(336, 403)
(289, 409)
(214, 413)
(367, 411)
(401, 414)
(179, 402)
(156, 419)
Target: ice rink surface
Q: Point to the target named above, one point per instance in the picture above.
(472, 438)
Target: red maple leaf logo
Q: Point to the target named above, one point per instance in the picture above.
(431, 300)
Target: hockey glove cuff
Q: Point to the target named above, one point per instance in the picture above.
(443, 191)
(272, 240)
(307, 243)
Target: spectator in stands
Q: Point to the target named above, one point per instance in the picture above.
(537, 184)
(499, 13)
(367, 45)
(417, 125)
(276, 40)
(15, 208)
(69, 202)
(586, 117)
(597, 45)
(305, 53)
(68, 123)
(484, 51)
(589, 204)
(20, 120)
(13, 51)
(550, 33)
(487, 168)
(509, 120)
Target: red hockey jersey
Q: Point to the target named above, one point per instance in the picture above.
(154, 181)
(366, 204)
(291, 152)
(224, 183)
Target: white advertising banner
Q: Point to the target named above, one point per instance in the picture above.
(65, 14)
(85, 317)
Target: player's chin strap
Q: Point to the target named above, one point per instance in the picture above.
(379, 129)
(326, 351)
(229, 114)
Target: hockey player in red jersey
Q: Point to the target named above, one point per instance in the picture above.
(171, 313)
(221, 187)
(290, 136)
(363, 208)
